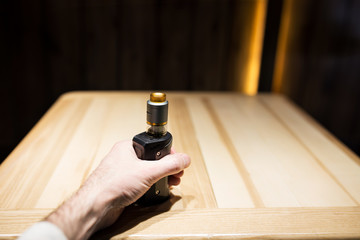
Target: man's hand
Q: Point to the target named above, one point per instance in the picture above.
(119, 180)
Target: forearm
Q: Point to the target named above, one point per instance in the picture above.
(119, 180)
(80, 216)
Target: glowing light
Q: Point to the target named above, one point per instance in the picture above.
(248, 78)
(282, 46)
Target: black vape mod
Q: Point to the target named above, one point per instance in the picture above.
(154, 144)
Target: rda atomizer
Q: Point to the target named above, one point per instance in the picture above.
(154, 144)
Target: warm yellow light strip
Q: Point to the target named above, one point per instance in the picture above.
(248, 82)
(282, 46)
(252, 82)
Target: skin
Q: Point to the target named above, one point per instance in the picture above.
(119, 180)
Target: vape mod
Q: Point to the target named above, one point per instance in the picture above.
(154, 144)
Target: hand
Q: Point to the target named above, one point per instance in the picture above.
(119, 180)
(124, 177)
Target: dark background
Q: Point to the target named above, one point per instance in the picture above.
(51, 47)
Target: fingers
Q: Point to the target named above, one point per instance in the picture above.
(172, 164)
(175, 163)
(179, 174)
(175, 178)
(173, 181)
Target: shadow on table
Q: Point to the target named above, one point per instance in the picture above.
(132, 216)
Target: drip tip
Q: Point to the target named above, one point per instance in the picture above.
(157, 97)
(157, 109)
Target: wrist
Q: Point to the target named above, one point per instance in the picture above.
(82, 214)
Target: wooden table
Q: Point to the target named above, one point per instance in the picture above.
(261, 168)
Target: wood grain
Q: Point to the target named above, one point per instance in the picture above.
(196, 181)
(269, 223)
(25, 172)
(273, 223)
(330, 157)
(229, 186)
(260, 168)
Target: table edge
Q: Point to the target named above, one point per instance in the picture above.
(289, 223)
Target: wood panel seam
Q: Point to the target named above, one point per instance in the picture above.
(185, 112)
(255, 196)
(322, 166)
(324, 131)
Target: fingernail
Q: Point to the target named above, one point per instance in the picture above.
(186, 160)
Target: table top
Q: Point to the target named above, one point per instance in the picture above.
(261, 167)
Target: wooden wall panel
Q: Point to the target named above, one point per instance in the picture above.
(211, 26)
(175, 20)
(51, 47)
(100, 45)
(137, 44)
(318, 63)
(62, 46)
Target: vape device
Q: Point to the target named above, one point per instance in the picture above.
(154, 144)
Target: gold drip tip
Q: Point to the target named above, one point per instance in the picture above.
(157, 97)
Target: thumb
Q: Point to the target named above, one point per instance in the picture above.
(169, 165)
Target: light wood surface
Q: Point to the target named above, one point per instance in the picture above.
(261, 168)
